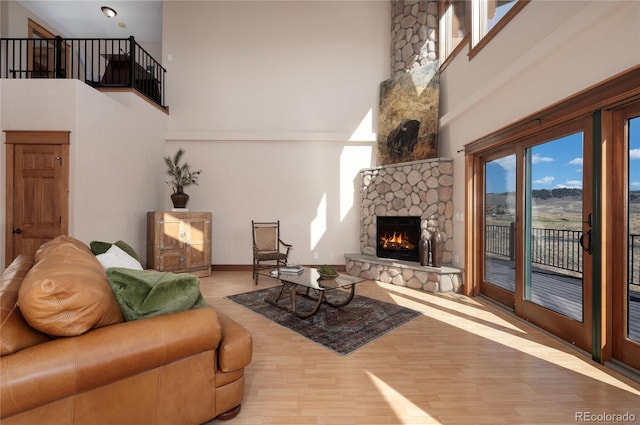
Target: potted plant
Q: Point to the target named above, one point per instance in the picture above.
(327, 272)
(179, 177)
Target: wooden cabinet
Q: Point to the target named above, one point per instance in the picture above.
(179, 242)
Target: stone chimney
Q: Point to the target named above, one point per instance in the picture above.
(414, 34)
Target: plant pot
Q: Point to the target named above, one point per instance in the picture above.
(179, 198)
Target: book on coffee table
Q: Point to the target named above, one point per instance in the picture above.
(291, 269)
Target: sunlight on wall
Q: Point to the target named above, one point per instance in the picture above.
(318, 225)
(352, 160)
(364, 132)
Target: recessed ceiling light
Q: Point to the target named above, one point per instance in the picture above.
(108, 12)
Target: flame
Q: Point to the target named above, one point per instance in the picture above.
(396, 241)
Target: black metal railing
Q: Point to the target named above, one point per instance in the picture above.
(498, 240)
(99, 62)
(633, 250)
(557, 248)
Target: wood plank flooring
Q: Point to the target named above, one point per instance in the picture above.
(464, 361)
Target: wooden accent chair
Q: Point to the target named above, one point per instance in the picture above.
(267, 247)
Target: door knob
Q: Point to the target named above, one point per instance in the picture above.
(17, 231)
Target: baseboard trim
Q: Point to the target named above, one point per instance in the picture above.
(249, 267)
(231, 267)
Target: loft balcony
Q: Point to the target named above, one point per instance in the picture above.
(103, 63)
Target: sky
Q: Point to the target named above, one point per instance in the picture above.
(558, 164)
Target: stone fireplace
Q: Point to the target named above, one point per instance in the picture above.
(422, 190)
(398, 237)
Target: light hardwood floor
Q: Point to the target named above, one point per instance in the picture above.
(464, 361)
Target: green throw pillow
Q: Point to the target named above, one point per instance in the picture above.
(149, 293)
(98, 247)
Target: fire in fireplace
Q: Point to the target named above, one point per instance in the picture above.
(398, 237)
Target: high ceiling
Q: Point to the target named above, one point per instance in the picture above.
(84, 19)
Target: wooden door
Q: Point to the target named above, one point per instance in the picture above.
(37, 189)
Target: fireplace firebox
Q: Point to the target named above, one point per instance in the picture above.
(398, 237)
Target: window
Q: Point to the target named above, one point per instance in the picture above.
(488, 17)
(482, 19)
(486, 14)
(452, 26)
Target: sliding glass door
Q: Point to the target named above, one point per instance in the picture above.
(626, 265)
(499, 227)
(536, 212)
(554, 225)
(553, 202)
(632, 298)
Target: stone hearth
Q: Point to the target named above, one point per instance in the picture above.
(420, 188)
(405, 273)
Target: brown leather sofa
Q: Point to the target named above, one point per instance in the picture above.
(180, 368)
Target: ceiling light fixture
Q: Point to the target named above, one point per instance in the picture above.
(108, 12)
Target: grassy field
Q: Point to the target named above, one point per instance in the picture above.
(552, 213)
(559, 214)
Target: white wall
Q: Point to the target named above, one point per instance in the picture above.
(117, 145)
(4, 25)
(550, 51)
(116, 150)
(117, 166)
(276, 102)
(266, 96)
(17, 21)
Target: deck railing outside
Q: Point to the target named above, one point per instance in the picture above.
(98, 62)
(555, 248)
(498, 240)
(634, 259)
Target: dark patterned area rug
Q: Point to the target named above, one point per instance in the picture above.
(342, 330)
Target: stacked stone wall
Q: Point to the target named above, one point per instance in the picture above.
(421, 189)
(414, 34)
